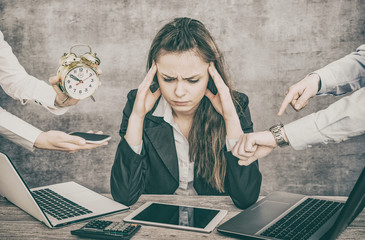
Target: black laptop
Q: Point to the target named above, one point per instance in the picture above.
(297, 217)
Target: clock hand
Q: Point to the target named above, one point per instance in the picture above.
(84, 80)
(75, 78)
(87, 78)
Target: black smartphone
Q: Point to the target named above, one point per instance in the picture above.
(92, 137)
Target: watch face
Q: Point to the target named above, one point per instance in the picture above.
(81, 82)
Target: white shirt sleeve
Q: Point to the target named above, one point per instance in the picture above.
(344, 75)
(17, 130)
(18, 84)
(342, 119)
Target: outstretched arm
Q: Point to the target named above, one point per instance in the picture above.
(342, 119)
(30, 137)
(337, 78)
(18, 84)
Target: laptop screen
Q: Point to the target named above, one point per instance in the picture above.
(354, 205)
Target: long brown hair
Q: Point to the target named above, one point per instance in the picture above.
(207, 135)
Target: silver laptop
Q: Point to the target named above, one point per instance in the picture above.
(54, 205)
(292, 216)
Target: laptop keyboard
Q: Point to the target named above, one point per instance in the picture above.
(304, 220)
(58, 206)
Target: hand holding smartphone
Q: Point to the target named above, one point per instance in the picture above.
(92, 137)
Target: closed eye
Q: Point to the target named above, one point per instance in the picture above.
(168, 79)
(189, 80)
(193, 80)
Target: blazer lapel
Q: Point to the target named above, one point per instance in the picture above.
(162, 139)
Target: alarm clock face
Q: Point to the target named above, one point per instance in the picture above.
(81, 82)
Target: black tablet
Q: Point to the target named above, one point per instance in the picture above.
(177, 216)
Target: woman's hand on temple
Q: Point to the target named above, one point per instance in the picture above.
(222, 101)
(223, 104)
(144, 102)
(145, 98)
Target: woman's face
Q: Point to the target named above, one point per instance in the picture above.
(183, 79)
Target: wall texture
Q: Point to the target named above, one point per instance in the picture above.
(268, 45)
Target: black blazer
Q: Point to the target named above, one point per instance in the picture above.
(156, 171)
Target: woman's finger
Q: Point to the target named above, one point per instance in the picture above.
(209, 95)
(244, 150)
(216, 102)
(236, 146)
(146, 83)
(219, 83)
(247, 162)
(157, 94)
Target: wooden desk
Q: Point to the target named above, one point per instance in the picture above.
(16, 224)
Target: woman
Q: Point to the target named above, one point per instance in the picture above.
(181, 123)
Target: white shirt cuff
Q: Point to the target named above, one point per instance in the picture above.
(137, 149)
(17, 130)
(303, 132)
(46, 97)
(328, 80)
(230, 143)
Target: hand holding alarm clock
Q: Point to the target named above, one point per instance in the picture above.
(79, 74)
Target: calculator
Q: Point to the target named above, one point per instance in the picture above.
(101, 229)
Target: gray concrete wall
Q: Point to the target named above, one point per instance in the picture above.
(268, 45)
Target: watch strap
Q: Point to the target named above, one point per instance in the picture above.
(278, 135)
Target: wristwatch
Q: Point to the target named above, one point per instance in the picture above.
(279, 138)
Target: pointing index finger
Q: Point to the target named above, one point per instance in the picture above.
(288, 98)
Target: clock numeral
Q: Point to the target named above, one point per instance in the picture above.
(87, 70)
(81, 69)
(68, 81)
(74, 89)
(80, 91)
(69, 86)
(85, 89)
(92, 80)
(90, 85)
(90, 74)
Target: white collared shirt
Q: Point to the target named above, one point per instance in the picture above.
(15, 81)
(186, 167)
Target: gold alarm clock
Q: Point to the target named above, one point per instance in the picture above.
(79, 76)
